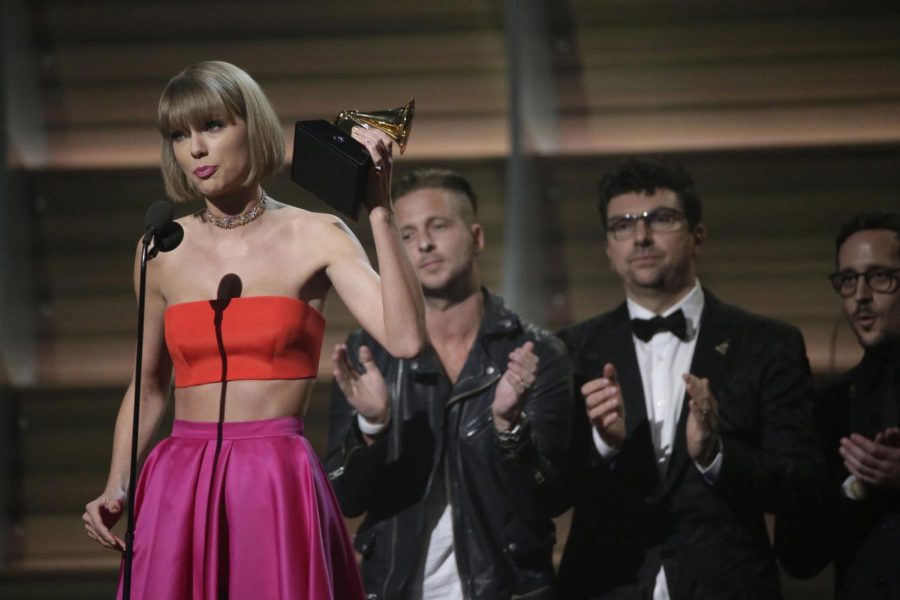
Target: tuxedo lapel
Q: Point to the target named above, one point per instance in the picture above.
(712, 358)
(624, 358)
(714, 351)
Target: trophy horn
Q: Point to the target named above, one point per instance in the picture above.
(395, 122)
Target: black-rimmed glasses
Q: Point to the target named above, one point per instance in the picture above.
(658, 220)
(879, 279)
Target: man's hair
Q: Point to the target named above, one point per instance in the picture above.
(443, 179)
(217, 89)
(866, 221)
(645, 177)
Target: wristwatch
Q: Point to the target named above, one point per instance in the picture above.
(514, 434)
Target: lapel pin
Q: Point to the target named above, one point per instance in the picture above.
(723, 347)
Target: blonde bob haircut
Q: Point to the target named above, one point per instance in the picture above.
(216, 89)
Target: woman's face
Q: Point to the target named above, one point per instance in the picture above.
(215, 157)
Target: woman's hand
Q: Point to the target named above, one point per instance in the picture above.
(381, 147)
(101, 514)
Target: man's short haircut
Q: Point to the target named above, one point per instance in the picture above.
(216, 89)
(866, 221)
(444, 179)
(645, 176)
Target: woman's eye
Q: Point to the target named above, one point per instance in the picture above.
(177, 136)
(214, 124)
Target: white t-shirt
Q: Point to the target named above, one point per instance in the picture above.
(437, 577)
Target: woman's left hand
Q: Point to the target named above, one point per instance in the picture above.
(381, 147)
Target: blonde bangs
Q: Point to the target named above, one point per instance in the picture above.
(192, 102)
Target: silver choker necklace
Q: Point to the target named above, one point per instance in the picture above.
(248, 216)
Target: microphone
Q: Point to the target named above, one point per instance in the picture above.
(170, 236)
(160, 227)
(156, 217)
(166, 234)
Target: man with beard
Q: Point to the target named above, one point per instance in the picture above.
(453, 456)
(857, 524)
(693, 416)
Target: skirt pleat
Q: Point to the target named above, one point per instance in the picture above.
(239, 510)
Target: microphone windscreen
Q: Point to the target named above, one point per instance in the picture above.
(171, 235)
(159, 213)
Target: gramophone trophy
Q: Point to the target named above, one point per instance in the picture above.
(335, 167)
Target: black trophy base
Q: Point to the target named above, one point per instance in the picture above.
(331, 164)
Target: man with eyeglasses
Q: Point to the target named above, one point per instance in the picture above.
(857, 522)
(694, 416)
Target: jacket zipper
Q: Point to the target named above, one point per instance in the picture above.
(394, 530)
(453, 399)
(482, 387)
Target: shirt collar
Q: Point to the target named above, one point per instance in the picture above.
(497, 317)
(691, 304)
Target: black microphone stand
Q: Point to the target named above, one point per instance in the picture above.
(146, 254)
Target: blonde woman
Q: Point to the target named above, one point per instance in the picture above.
(235, 503)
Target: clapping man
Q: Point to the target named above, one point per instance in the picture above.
(857, 522)
(693, 421)
(454, 457)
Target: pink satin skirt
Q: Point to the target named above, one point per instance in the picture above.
(252, 516)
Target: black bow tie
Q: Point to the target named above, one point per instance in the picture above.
(645, 329)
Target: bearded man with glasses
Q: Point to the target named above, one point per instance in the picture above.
(694, 416)
(858, 418)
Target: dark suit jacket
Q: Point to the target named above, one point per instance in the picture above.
(712, 540)
(861, 537)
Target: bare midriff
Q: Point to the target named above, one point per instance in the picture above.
(243, 400)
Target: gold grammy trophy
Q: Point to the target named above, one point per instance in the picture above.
(335, 167)
(395, 122)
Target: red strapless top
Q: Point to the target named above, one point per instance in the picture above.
(261, 337)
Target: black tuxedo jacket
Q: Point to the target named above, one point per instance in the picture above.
(712, 539)
(862, 537)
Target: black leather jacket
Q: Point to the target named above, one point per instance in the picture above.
(500, 494)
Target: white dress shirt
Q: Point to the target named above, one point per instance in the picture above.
(662, 361)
